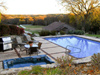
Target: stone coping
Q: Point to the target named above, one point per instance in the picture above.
(16, 70)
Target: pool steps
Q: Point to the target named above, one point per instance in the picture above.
(73, 47)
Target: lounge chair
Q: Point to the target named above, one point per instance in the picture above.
(19, 43)
(28, 38)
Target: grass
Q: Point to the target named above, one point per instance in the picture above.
(33, 28)
(93, 35)
(35, 71)
(33, 31)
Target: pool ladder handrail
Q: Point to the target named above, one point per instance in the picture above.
(73, 47)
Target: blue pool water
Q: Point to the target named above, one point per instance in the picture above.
(79, 47)
(27, 61)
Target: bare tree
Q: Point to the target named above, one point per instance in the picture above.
(79, 7)
(2, 6)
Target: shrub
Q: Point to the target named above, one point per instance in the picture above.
(62, 32)
(98, 32)
(21, 30)
(70, 32)
(0, 23)
(14, 30)
(37, 70)
(10, 30)
(54, 71)
(24, 72)
(79, 32)
(4, 30)
(96, 60)
(65, 61)
(53, 32)
(44, 33)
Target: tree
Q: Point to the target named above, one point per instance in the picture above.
(2, 6)
(50, 18)
(94, 21)
(80, 7)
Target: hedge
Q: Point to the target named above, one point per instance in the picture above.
(78, 32)
(4, 30)
(10, 30)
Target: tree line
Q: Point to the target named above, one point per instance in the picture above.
(92, 23)
(30, 19)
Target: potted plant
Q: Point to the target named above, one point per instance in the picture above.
(30, 43)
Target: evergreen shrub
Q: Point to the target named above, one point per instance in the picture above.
(79, 32)
(53, 32)
(10, 30)
(4, 30)
(62, 32)
(70, 32)
(44, 33)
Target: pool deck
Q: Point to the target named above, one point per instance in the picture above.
(52, 50)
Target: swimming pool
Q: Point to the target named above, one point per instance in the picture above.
(80, 47)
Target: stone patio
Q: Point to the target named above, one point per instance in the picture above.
(52, 50)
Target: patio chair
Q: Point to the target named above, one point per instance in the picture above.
(32, 50)
(28, 38)
(39, 45)
(19, 43)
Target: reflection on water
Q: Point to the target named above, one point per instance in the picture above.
(88, 47)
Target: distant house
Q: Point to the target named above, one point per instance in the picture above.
(58, 26)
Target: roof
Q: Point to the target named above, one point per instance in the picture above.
(56, 26)
(53, 26)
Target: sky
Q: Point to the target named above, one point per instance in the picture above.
(33, 7)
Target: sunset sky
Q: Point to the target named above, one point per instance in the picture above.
(32, 7)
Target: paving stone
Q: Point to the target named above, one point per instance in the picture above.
(23, 53)
(59, 55)
(14, 70)
(82, 60)
(41, 53)
(54, 50)
(8, 55)
(49, 65)
(1, 66)
(48, 45)
(37, 38)
(44, 42)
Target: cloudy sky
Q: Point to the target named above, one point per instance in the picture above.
(32, 7)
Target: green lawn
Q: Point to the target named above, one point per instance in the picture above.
(93, 35)
(33, 28)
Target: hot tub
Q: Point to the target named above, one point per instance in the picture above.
(27, 61)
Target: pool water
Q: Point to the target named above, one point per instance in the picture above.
(27, 61)
(79, 47)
